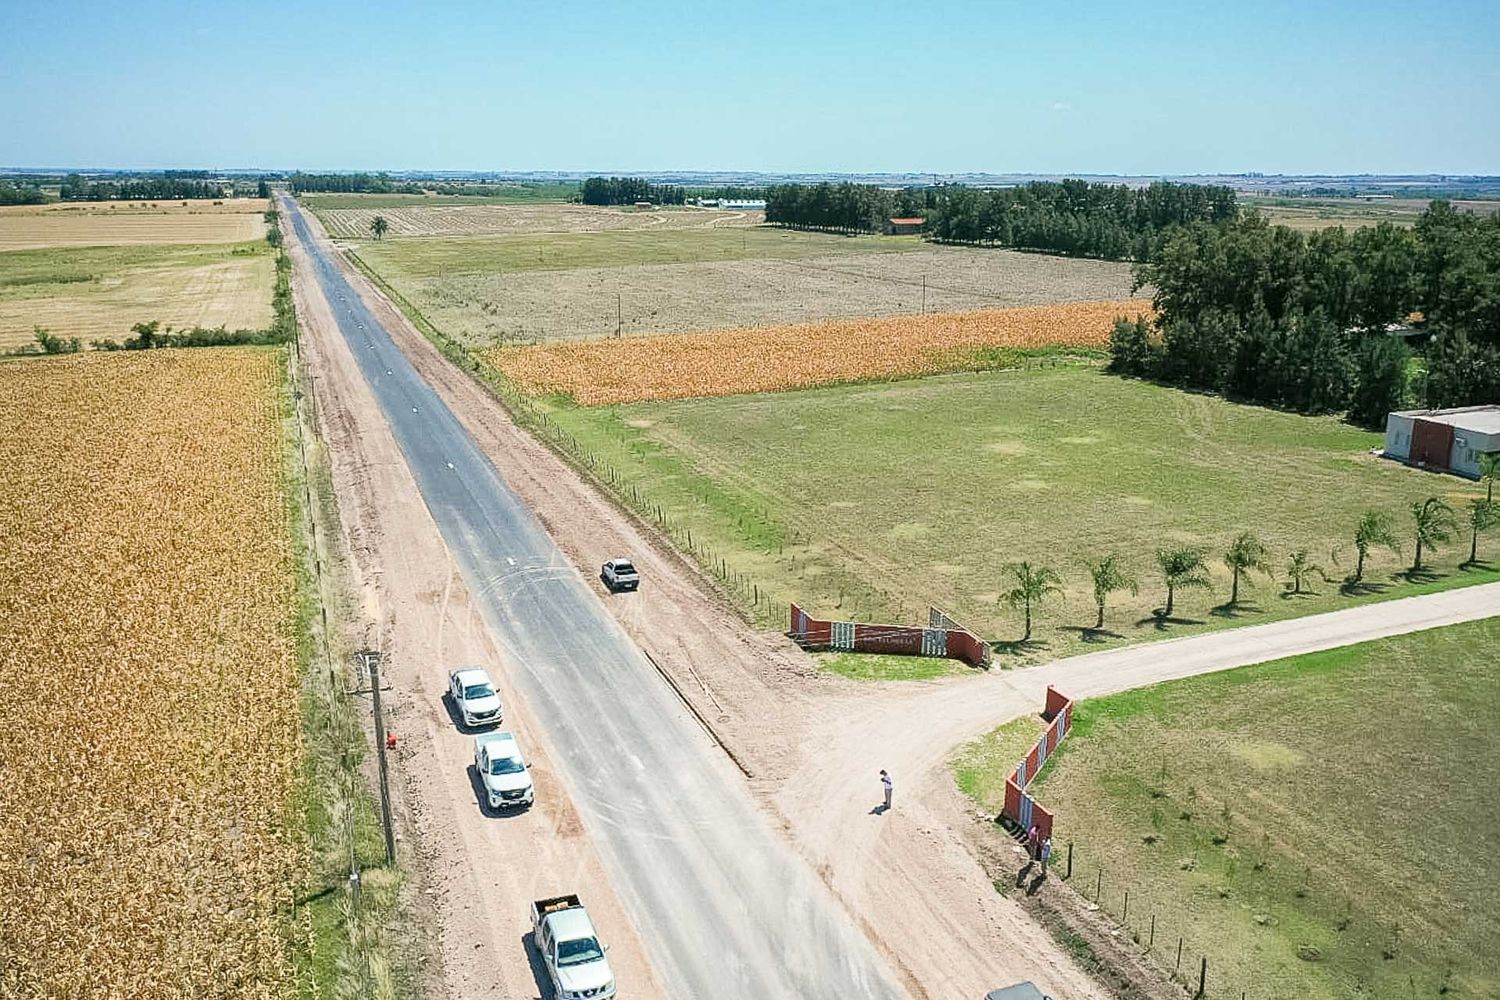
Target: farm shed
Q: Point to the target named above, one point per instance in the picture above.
(1444, 440)
(904, 227)
(743, 204)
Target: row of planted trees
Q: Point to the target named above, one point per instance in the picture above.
(1433, 524)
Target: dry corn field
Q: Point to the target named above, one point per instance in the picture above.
(770, 359)
(150, 742)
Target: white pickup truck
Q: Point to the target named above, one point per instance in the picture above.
(570, 949)
(474, 696)
(503, 771)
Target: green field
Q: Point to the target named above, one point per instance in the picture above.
(521, 194)
(872, 501)
(425, 258)
(1341, 803)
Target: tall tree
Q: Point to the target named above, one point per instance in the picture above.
(1434, 524)
(1483, 515)
(1246, 554)
(1034, 584)
(1374, 528)
(1181, 567)
(379, 227)
(1110, 575)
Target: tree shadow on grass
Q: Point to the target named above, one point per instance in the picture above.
(1162, 622)
(1362, 588)
(1018, 647)
(1303, 594)
(1239, 610)
(1092, 635)
(1424, 575)
(1477, 566)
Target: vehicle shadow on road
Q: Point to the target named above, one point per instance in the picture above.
(455, 717)
(538, 967)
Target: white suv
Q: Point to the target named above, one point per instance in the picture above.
(474, 696)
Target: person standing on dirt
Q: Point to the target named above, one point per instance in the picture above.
(886, 786)
(1033, 842)
(1046, 853)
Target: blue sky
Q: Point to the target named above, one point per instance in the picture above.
(1052, 87)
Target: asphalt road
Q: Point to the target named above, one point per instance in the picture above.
(725, 907)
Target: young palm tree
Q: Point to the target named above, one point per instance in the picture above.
(1435, 525)
(1246, 554)
(1034, 584)
(1180, 567)
(1483, 515)
(379, 227)
(1374, 528)
(1489, 471)
(1109, 576)
(1298, 568)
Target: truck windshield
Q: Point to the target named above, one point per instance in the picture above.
(506, 765)
(578, 951)
(474, 691)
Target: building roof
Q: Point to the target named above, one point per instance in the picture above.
(1479, 419)
(913, 221)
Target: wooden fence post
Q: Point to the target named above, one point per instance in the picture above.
(1202, 976)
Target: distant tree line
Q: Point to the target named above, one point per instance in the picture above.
(301, 183)
(1271, 315)
(1112, 221)
(843, 208)
(628, 191)
(727, 193)
(163, 188)
(21, 194)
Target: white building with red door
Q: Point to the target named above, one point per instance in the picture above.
(1444, 440)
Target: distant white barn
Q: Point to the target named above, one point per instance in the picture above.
(1444, 440)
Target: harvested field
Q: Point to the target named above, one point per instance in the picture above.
(90, 224)
(745, 278)
(469, 219)
(519, 193)
(150, 734)
(770, 359)
(1266, 816)
(100, 292)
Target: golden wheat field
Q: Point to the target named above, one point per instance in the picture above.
(770, 359)
(150, 742)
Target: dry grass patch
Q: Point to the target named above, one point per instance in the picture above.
(769, 359)
(150, 737)
(496, 220)
(86, 224)
(100, 292)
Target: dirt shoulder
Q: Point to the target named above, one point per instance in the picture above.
(476, 873)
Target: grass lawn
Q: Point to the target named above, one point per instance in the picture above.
(1340, 803)
(872, 501)
(888, 667)
(396, 259)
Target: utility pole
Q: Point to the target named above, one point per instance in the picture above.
(372, 663)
